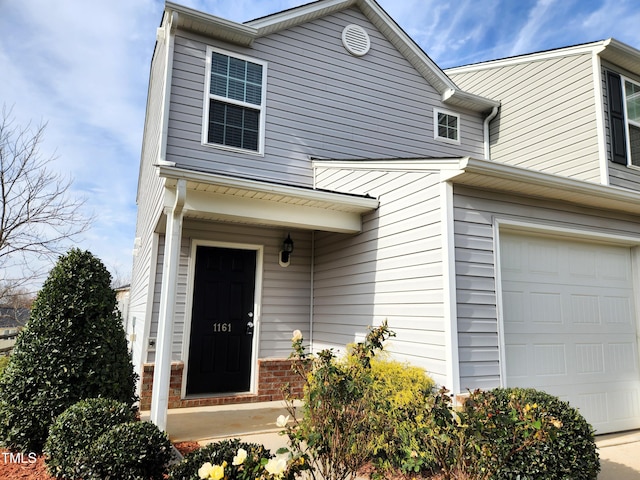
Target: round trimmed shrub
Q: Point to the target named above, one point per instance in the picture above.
(72, 348)
(219, 452)
(570, 454)
(67, 448)
(130, 451)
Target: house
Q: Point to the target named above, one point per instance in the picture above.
(315, 170)
(12, 320)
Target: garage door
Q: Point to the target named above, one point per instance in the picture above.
(569, 325)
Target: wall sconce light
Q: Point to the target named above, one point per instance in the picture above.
(285, 253)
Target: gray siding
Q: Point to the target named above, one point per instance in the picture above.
(474, 213)
(286, 292)
(149, 200)
(321, 102)
(391, 271)
(547, 119)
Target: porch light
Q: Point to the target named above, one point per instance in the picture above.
(287, 248)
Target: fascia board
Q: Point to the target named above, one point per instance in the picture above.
(362, 203)
(588, 48)
(417, 165)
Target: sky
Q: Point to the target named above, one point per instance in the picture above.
(82, 68)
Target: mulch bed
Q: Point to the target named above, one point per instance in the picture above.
(24, 468)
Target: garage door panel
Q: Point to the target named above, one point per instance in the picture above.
(569, 325)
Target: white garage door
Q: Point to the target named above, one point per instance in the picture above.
(570, 325)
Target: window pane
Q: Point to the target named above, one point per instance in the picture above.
(236, 90)
(237, 68)
(634, 141)
(219, 64)
(632, 92)
(236, 79)
(233, 126)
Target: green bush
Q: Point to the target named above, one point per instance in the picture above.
(217, 454)
(130, 451)
(570, 453)
(67, 448)
(4, 361)
(72, 348)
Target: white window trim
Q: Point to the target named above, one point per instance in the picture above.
(436, 111)
(624, 79)
(208, 96)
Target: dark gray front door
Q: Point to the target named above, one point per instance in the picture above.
(221, 336)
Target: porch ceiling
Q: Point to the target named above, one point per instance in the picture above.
(231, 199)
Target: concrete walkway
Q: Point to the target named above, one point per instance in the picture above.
(255, 422)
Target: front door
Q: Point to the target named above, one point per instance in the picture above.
(222, 321)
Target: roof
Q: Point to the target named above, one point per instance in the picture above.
(500, 177)
(13, 317)
(611, 50)
(244, 34)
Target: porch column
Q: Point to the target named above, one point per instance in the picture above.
(162, 369)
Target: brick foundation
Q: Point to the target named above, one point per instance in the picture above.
(273, 374)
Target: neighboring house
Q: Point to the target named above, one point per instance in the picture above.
(327, 129)
(12, 320)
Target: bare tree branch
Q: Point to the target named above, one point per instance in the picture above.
(38, 216)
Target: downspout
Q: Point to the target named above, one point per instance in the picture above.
(311, 300)
(170, 30)
(487, 121)
(162, 369)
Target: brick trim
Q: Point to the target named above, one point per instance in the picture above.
(273, 374)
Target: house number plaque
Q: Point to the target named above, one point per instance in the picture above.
(221, 327)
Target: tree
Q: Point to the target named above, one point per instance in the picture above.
(38, 216)
(73, 348)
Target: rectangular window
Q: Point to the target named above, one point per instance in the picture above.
(446, 126)
(632, 104)
(234, 102)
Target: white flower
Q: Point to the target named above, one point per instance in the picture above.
(205, 470)
(276, 466)
(282, 421)
(297, 336)
(240, 457)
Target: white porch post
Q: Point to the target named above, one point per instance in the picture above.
(162, 369)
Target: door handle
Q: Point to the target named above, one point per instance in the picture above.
(249, 328)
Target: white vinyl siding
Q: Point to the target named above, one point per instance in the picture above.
(547, 118)
(391, 271)
(320, 102)
(286, 292)
(475, 212)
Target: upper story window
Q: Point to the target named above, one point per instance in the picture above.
(446, 126)
(624, 119)
(632, 103)
(234, 102)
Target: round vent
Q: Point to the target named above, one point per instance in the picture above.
(356, 40)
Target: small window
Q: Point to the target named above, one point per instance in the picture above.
(446, 126)
(234, 102)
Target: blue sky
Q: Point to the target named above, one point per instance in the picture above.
(82, 67)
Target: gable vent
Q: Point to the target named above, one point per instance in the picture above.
(356, 40)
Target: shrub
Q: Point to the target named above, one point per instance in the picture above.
(130, 451)
(74, 431)
(4, 361)
(337, 431)
(225, 454)
(570, 453)
(395, 402)
(72, 348)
